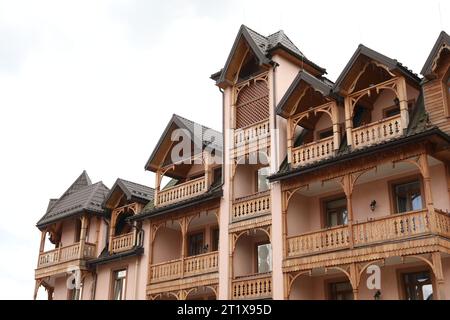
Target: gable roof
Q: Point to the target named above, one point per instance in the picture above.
(322, 85)
(392, 64)
(132, 190)
(81, 196)
(443, 41)
(209, 137)
(262, 47)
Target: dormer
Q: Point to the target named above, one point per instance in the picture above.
(190, 155)
(124, 200)
(436, 86)
(314, 119)
(379, 94)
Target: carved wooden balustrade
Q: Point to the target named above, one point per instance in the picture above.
(64, 254)
(389, 228)
(313, 151)
(123, 242)
(182, 191)
(376, 132)
(252, 287)
(251, 138)
(253, 205)
(187, 267)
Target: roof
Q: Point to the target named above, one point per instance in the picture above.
(418, 127)
(132, 190)
(209, 137)
(323, 86)
(80, 197)
(443, 41)
(392, 64)
(262, 47)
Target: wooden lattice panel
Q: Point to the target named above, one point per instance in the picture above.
(252, 104)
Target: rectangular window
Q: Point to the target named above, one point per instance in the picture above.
(407, 196)
(215, 239)
(262, 182)
(418, 286)
(390, 112)
(341, 291)
(264, 258)
(196, 244)
(325, 133)
(336, 212)
(217, 175)
(120, 281)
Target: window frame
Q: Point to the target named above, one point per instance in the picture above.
(257, 180)
(213, 230)
(190, 234)
(323, 209)
(328, 286)
(404, 180)
(113, 282)
(411, 270)
(256, 257)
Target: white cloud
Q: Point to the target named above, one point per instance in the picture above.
(92, 84)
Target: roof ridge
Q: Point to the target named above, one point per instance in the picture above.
(266, 37)
(139, 184)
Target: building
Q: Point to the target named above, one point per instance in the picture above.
(315, 190)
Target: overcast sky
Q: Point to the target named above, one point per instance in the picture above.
(92, 84)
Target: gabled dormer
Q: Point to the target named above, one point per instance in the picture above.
(314, 119)
(190, 155)
(379, 94)
(436, 85)
(124, 200)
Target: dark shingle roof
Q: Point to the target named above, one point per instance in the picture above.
(81, 196)
(209, 137)
(132, 189)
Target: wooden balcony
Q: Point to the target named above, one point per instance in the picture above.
(251, 206)
(252, 287)
(312, 152)
(377, 132)
(183, 268)
(182, 192)
(251, 138)
(54, 261)
(123, 242)
(396, 227)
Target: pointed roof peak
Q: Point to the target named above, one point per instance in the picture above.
(82, 181)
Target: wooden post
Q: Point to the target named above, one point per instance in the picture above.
(42, 246)
(112, 226)
(290, 143)
(348, 121)
(354, 276)
(207, 168)
(157, 185)
(230, 267)
(49, 293)
(82, 236)
(403, 99)
(183, 244)
(425, 170)
(439, 275)
(348, 190)
(336, 127)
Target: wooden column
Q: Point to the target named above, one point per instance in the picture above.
(439, 275)
(285, 231)
(84, 222)
(183, 243)
(425, 170)
(403, 99)
(348, 121)
(157, 185)
(207, 168)
(354, 277)
(230, 267)
(336, 127)
(42, 246)
(112, 226)
(347, 184)
(290, 142)
(50, 293)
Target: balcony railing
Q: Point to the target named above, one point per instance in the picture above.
(252, 287)
(376, 132)
(389, 228)
(179, 268)
(253, 205)
(123, 242)
(182, 191)
(251, 138)
(64, 254)
(313, 152)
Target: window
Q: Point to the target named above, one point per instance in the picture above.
(325, 133)
(262, 182)
(341, 291)
(264, 257)
(407, 196)
(418, 286)
(217, 175)
(391, 111)
(336, 212)
(195, 242)
(120, 280)
(75, 294)
(215, 239)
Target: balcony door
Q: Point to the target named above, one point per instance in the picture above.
(264, 258)
(408, 196)
(336, 213)
(196, 244)
(340, 291)
(418, 286)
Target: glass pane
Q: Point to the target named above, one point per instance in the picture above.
(427, 292)
(408, 196)
(263, 184)
(264, 258)
(336, 212)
